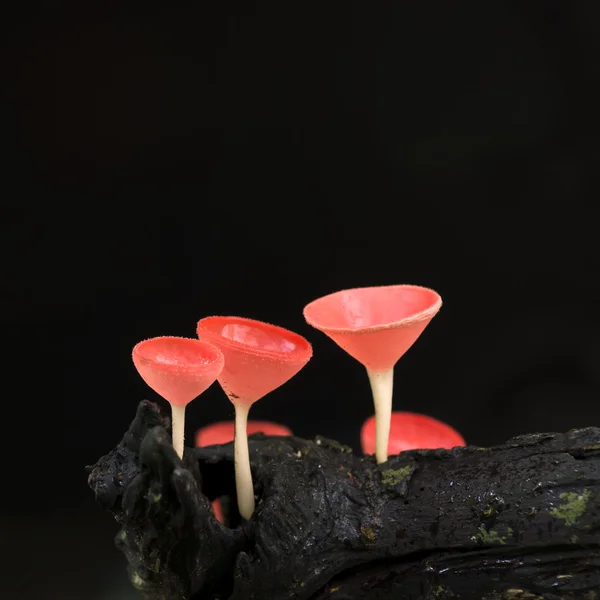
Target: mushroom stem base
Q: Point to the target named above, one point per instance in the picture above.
(178, 428)
(243, 474)
(382, 386)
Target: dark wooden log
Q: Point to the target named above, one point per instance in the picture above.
(521, 520)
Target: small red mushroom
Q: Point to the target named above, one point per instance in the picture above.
(376, 325)
(412, 431)
(223, 432)
(178, 369)
(259, 357)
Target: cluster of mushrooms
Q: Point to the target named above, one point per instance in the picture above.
(249, 358)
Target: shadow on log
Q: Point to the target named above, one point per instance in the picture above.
(520, 520)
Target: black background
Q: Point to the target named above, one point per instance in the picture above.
(164, 165)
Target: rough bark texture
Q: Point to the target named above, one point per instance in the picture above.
(520, 520)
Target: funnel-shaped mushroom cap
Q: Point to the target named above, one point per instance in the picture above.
(411, 431)
(179, 369)
(259, 357)
(375, 325)
(224, 431)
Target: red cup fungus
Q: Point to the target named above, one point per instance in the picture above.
(259, 357)
(376, 326)
(178, 369)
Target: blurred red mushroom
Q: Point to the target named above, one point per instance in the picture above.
(411, 431)
(223, 432)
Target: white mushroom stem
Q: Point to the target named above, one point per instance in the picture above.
(382, 386)
(178, 428)
(243, 475)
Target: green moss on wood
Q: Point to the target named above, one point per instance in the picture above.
(489, 537)
(392, 477)
(439, 592)
(368, 532)
(572, 507)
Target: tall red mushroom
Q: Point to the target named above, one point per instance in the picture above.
(376, 325)
(259, 357)
(179, 369)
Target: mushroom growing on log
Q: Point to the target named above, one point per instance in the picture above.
(376, 326)
(521, 520)
(259, 358)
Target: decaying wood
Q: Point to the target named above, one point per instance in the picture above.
(520, 520)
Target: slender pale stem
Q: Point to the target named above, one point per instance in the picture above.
(243, 475)
(382, 386)
(178, 428)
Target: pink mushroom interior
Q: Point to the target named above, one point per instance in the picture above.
(259, 357)
(178, 353)
(253, 335)
(257, 338)
(370, 307)
(179, 369)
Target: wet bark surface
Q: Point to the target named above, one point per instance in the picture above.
(521, 520)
